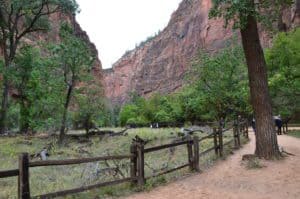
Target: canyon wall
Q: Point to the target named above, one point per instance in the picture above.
(159, 65)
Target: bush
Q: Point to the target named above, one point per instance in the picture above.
(137, 122)
(162, 116)
(129, 111)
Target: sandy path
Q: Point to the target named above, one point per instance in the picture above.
(230, 179)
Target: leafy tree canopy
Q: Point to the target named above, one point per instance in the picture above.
(283, 61)
(264, 11)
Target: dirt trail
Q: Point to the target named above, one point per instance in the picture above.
(230, 179)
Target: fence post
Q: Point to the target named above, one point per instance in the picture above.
(140, 164)
(190, 152)
(133, 162)
(23, 180)
(220, 142)
(216, 140)
(196, 153)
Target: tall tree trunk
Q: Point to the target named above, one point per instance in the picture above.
(266, 138)
(9, 55)
(4, 104)
(64, 118)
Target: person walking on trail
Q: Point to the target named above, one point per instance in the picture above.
(278, 123)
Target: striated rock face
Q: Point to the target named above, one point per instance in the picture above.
(160, 64)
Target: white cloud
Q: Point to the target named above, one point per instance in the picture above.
(118, 25)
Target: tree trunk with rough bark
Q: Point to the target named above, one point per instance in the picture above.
(4, 106)
(266, 138)
(64, 118)
(9, 54)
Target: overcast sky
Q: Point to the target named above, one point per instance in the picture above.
(118, 25)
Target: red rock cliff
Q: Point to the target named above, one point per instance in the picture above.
(160, 64)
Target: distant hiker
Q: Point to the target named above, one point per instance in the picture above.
(278, 123)
(253, 125)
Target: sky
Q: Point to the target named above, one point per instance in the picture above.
(116, 26)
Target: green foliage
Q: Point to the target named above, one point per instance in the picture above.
(283, 61)
(162, 116)
(34, 81)
(13, 116)
(72, 56)
(217, 88)
(17, 20)
(129, 111)
(40, 85)
(30, 16)
(238, 11)
(90, 105)
(219, 84)
(142, 112)
(138, 121)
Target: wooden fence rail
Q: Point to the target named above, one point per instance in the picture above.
(9, 173)
(157, 148)
(136, 157)
(76, 161)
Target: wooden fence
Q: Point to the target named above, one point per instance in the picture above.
(136, 157)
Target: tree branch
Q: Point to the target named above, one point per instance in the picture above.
(34, 20)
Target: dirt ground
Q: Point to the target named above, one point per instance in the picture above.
(230, 179)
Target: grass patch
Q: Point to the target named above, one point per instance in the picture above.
(294, 133)
(54, 178)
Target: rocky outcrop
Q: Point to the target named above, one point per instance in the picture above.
(160, 64)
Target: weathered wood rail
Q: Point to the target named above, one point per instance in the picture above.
(136, 158)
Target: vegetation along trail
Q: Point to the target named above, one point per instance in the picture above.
(232, 179)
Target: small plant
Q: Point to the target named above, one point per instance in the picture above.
(254, 163)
